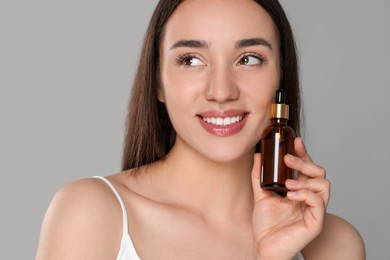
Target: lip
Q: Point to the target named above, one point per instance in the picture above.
(223, 130)
(223, 113)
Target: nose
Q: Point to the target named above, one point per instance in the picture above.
(222, 87)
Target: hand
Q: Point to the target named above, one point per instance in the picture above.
(282, 226)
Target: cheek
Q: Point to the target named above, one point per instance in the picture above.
(260, 87)
(180, 87)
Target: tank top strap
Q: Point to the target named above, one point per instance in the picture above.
(299, 256)
(124, 212)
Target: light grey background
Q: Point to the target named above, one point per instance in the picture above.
(65, 74)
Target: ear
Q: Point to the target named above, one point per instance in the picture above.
(160, 94)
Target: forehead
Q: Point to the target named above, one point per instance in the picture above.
(220, 20)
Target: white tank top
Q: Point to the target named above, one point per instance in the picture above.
(127, 250)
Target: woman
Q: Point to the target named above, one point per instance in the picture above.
(190, 186)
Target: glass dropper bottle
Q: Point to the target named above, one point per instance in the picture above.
(277, 140)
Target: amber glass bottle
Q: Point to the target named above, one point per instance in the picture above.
(277, 140)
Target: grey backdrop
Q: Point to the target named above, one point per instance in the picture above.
(65, 73)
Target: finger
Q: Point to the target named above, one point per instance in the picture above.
(314, 215)
(315, 185)
(300, 150)
(319, 186)
(310, 198)
(309, 169)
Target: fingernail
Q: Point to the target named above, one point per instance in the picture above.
(291, 158)
(291, 193)
(293, 182)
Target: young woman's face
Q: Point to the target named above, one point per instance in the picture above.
(219, 70)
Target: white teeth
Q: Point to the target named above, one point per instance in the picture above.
(219, 121)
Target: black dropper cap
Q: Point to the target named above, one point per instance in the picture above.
(280, 109)
(280, 96)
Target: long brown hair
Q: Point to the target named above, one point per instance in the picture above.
(149, 133)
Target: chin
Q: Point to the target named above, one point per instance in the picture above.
(226, 155)
(218, 151)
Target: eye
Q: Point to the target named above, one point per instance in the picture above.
(189, 60)
(251, 60)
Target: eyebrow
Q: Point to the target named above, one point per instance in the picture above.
(239, 44)
(253, 42)
(190, 44)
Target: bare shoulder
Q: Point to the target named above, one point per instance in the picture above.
(78, 215)
(338, 240)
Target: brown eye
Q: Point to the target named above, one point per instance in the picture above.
(190, 61)
(251, 60)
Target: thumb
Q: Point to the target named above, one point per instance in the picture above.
(258, 192)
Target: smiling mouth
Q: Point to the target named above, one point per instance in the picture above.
(223, 121)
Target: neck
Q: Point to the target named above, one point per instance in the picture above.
(213, 189)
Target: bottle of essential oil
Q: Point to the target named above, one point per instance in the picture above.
(277, 140)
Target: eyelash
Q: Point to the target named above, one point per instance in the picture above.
(184, 60)
(257, 56)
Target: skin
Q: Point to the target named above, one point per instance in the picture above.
(204, 200)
